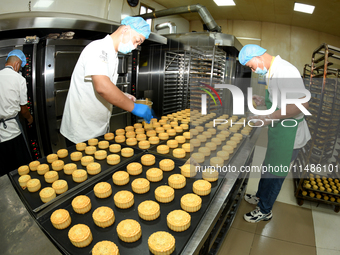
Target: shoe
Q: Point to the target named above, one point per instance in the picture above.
(251, 199)
(257, 215)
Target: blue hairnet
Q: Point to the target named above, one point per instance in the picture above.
(19, 54)
(138, 24)
(248, 52)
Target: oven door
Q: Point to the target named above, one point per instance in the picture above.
(57, 59)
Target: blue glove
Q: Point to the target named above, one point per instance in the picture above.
(143, 111)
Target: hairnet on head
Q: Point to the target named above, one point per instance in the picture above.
(138, 24)
(19, 54)
(248, 52)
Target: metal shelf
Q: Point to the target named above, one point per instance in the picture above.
(324, 85)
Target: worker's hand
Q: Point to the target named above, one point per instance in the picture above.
(143, 111)
(30, 120)
(131, 97)
(259, 100)
(261, 120)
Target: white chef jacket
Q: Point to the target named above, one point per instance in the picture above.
(86, 113)
(283, 74)
(13, 93)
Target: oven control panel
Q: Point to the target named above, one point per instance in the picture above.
(31, 130)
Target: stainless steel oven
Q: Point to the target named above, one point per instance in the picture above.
(50, 63)
(56, 60)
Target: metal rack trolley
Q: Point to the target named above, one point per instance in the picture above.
(302, 192)
(315, 159)
(324, 105)
(187, 73)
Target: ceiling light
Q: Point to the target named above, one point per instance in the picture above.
(225, 2)
(248, 38)
(306, 8)
(42, 4)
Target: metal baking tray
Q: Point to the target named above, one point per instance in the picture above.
(60, 237)
(219, 148)
(322, 192)
(122, 144)
(318, 200)
(153, 150)
(33, 201)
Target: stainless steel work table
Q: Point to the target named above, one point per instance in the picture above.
(19, 232)
(217, 205)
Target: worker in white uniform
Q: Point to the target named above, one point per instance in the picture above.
(13, 100)
(283, 142)
(93, 91)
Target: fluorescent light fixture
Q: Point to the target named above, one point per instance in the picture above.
(248, 38)
(306, 8)
(42, 4)
(225, 2)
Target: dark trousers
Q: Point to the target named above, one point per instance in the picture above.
(13, 154)
(269, 188)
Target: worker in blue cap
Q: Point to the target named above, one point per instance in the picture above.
(284, 139)
(93, 88)
(13, 100)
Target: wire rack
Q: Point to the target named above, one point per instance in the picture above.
(306, 75)
(324, 85)
(207, 68)
(176, 90)
(190, 73)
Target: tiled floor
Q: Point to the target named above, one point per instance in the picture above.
(302, 230)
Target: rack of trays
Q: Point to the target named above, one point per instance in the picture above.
(324, 105)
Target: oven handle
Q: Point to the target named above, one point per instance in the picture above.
(60, 91)
(68, 52)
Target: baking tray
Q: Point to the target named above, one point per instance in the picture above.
(318, 200)
(333, 176)
(122, 144)
(153, 150)
(33, 201)
(219, 148)
(60, 237)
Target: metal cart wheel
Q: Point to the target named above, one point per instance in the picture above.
(337, 209)
(300, 201)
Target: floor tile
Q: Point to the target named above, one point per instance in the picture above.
(237, 242)
(329, 209)
(264, 245)
(259, 155)
(239, 222)
(252, 185)
(287, 194)
(289, 223)
(326, 228)
(254, 177)
(321, 251)
(263, 138)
